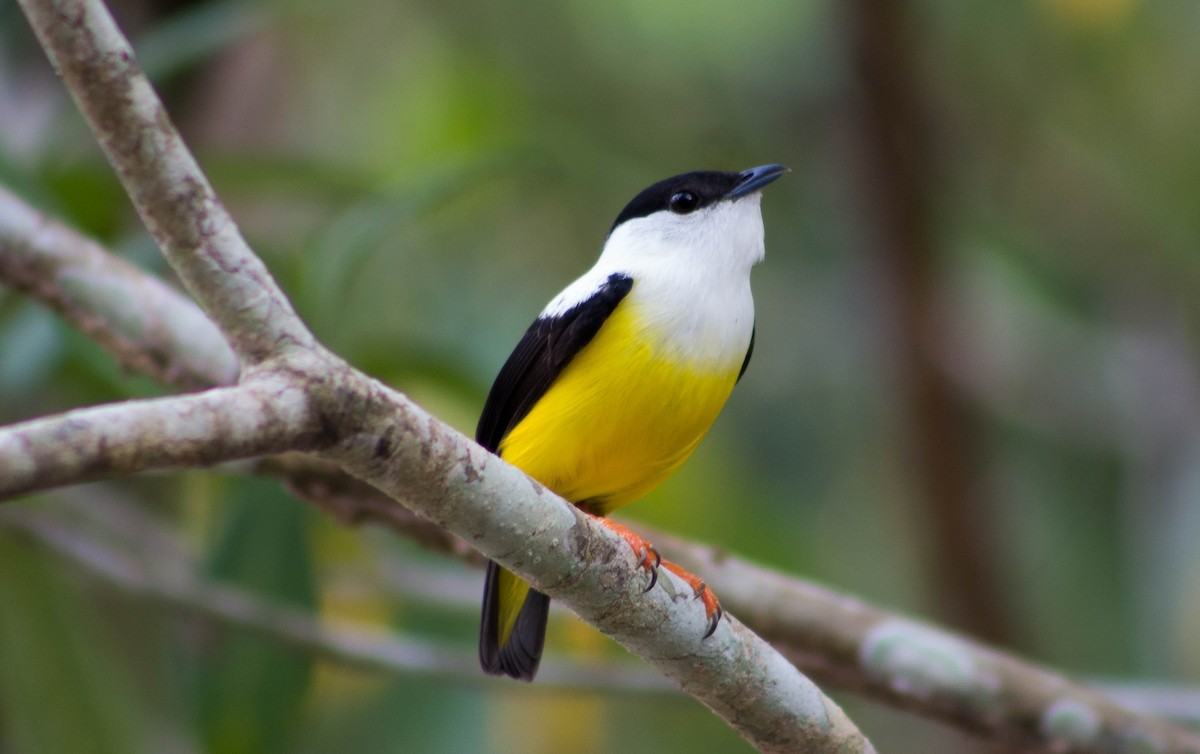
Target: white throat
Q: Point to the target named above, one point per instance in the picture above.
(691, 279)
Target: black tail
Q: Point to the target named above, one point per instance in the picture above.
(520, 655)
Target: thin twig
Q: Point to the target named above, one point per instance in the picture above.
(147, 325)
(172, 582)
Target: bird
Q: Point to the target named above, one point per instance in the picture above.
(619, 378)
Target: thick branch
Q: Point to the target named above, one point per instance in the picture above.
(266, 415)
(171, 194)
(448, 479)
(820, 630)
(402, 450)
(385, 438)
(882, 655)
(142, 321)
(913, 665)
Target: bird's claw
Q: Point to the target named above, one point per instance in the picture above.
(649, 560)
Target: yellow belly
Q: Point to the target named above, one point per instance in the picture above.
(619, 419)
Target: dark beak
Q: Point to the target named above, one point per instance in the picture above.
(755, 178)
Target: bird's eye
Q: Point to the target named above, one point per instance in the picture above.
(683, 202)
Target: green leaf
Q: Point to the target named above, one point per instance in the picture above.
(250, 688)
(62, 688)
(30, 349)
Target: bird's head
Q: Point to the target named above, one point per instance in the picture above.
(707, 219)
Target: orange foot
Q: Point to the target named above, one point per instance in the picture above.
(649, 560)
(712, 608)
(648, 557)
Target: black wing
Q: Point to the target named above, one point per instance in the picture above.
(545, 350)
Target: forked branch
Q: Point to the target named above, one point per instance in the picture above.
(374, 432)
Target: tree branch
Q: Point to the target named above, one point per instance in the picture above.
(448, 479)
(142, 321)
(820, 630)
(171, 580)
(168, 189)
(267, 415)
(393, 444)
(388, 441)
(816, 635)
(1175, 702)
(912, 665)
(887, 657)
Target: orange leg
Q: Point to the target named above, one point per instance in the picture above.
(712, 608)
(649, 559)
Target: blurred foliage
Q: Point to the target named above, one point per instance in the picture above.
(250, 689)
(422, 176)
(64, 688)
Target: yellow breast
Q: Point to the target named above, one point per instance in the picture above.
(620, 418)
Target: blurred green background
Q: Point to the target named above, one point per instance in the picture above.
(974, 396)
